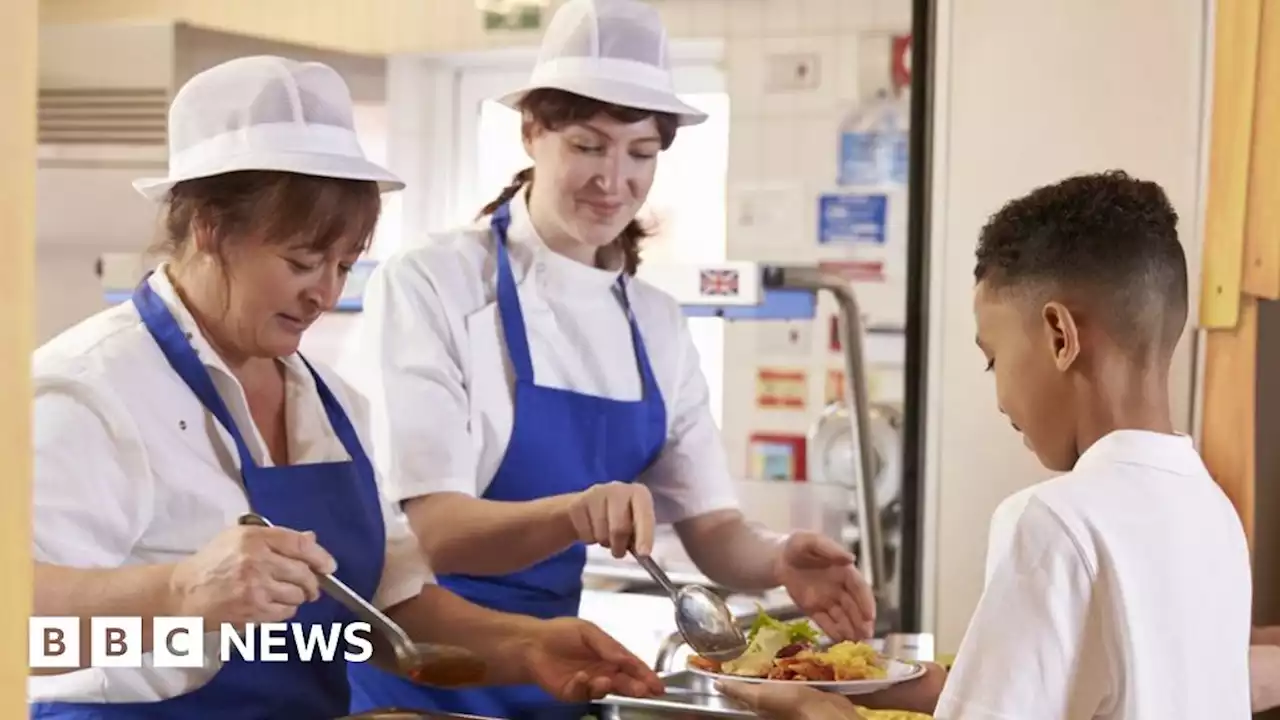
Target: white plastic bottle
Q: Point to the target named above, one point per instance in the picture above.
(873, 143)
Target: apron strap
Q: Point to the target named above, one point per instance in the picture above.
(648, 381)
(338, 418)
(512, 318)
(183, 358)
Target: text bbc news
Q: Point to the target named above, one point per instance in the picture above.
(57, 642)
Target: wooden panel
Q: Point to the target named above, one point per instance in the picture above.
(1230, 396)
(18, 31)
(1262, 226)
(1235, 73)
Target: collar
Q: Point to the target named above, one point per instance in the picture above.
(164, 289)
(563, 272)
(1172, 453)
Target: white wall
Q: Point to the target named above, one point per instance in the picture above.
(1028, 93)
(85, 205)
(197, 49)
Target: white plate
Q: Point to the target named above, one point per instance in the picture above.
(898, 672)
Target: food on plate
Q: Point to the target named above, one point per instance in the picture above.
(791, 651)
(865, 714)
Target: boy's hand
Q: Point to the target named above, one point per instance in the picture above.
(919, 695)
(790, 702)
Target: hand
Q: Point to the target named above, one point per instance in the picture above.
(250, 574)
(919, 695)
(1265, 635)
(616, 515)
(1264, 677)
(823, 581)
(789, 702)
(576, 661)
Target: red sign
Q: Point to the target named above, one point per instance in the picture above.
(855, 270)
(901, 61)
(781, 389)
(777, 457)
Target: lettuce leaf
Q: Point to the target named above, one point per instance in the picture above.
(797, 631)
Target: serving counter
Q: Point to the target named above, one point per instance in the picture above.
(688, 696)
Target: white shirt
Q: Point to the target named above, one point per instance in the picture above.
(1124, 594)
(131, 469)
(1004, 521)
(442, 381)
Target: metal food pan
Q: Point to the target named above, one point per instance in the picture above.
(688, 695)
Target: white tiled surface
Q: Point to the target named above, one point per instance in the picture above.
(789, 139)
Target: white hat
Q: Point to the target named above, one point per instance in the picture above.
(614, 51)
(264, 113)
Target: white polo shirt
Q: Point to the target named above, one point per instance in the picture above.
(131, 469)
(1124, 593)
(442, 381)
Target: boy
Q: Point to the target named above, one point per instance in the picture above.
(1124, 592)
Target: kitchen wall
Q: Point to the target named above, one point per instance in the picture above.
(85, 204)
(782, 157)
(198, 49)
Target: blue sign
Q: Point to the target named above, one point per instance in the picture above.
(846, 218)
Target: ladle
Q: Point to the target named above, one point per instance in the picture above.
(426, 663)
(702, 616)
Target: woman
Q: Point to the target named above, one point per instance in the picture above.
(601, 427)
(160, 421)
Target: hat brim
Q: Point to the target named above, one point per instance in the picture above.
(623, 94)
(343, 167)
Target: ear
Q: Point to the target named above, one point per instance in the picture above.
(203, 237)
(529, 131)
(1063, 334)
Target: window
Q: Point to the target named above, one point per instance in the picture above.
(686, 206)
(371, 127)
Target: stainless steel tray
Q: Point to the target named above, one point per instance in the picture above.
(687, 695)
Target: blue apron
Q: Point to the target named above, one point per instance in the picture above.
(561, 442)
(336, 500)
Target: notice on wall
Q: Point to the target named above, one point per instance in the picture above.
(777, 457)
(900, 62)
(855, 270)
(834, 392)
(834, 389)
(781, 388)
(852, 219)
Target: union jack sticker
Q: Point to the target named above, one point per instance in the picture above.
(720, 283)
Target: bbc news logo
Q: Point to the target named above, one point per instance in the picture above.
(179, 642)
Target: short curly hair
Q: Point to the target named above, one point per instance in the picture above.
(1107, 239)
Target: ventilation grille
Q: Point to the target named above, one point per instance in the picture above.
(101, 116)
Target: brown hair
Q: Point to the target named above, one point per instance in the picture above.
(278, 207)
(555, 109)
